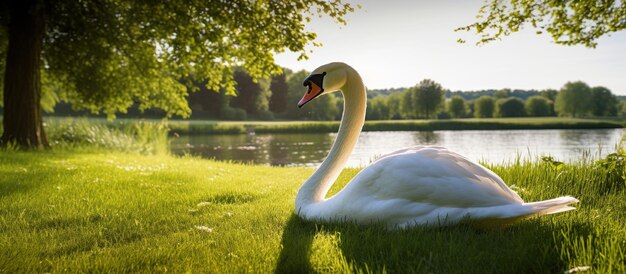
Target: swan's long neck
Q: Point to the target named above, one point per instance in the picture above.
(315, 188)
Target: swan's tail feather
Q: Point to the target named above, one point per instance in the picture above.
(551, 206)
(523, 211)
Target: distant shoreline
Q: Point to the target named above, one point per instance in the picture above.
(200, 127)
(243, 127)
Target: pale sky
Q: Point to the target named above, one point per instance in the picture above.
(399, 43)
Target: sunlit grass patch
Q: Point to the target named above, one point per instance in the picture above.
(81, 211)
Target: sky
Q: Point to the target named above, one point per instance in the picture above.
(399, 43)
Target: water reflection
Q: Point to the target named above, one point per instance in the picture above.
(489, 146)
(427, 138)
(263, 149)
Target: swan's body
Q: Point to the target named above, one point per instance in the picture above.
(414, 186)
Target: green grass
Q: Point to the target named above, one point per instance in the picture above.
(147, 137)
(97, 210)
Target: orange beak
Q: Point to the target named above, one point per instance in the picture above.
(312, 91)
(314, 84)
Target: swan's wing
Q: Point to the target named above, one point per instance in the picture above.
(430, 175)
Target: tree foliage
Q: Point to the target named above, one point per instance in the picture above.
(457, 107)
(484, 107)
(155, 47)
(568, 22)
(621, 109)
(503, 93)
(378, 108)
(206, 102)
(280, 91)
(106, 55)
(604, 102)
(249, 93)
(537, 106)
(395, 106)
(510, 107)
(549, 94)
(425, 99)
(574, 99)
(408, 106)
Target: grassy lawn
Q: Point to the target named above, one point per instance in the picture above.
(100, 211)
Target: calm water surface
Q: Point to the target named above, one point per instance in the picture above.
(310, 149)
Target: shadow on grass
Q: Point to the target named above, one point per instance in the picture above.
(17, 172)
(296, 245)
(529, 246)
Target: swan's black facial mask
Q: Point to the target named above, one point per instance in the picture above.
(315, 87)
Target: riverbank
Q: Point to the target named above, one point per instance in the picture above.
(195, 127)
(212, 127)
(94, 210)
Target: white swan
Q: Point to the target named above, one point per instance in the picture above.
(413, 186)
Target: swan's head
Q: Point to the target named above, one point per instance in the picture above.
(326, 79)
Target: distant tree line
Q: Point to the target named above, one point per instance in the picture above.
(429, 100)
(276, 98)
(264, 99)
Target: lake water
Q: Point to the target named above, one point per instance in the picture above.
(310, 149)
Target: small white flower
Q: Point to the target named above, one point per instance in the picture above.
(578, 269)
(204, 228)
(232, 255)
(202, 204)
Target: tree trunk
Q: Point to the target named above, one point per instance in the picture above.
(23, 124)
